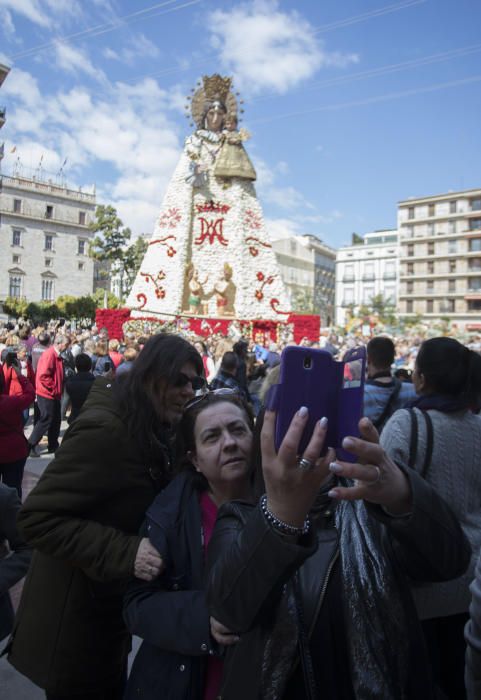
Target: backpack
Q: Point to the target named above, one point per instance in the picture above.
(388, 408)
(413, 444)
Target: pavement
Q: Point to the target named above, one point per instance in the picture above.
(14, 686)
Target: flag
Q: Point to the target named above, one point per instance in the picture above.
(63, 164)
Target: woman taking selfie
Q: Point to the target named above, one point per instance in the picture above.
(83, 519)
(177, 657)
(314, 578)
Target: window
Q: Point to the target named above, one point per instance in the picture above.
(474, 264)
(429, 306)
(16, 259)
(47, 290)
(48, 262)
(81, 266)
(453, 207)
(452, 265)
(450, 305)
(49, 211)
(409, 306)
(451, 227)
(411, 213)
(368, 295)
(17, 206)
(81, 218)
(293, 246)
(410, 269)
(410, 251)
(451, 285)
(474, 284)
(476, 204)
(453, 246)
(430, 267)
(15, 286)
(16, 237)
(474, 244)
(474, 224)
(409, 287)
(430, 229)
(81, 247)
(368, 271)
(48, 241)
(431, 210)
(409, 231)
(430, 248)
(430, 286)
(390, 293)
(474, 305)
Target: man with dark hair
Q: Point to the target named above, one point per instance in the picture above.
(226, 376)
(78, 386)
(383, 393)
(43, 341)
(240, 349)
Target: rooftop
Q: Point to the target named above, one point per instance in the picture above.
(47, 187)
(4, 71)
(436, 197)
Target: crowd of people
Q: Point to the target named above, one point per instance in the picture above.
(166, 512)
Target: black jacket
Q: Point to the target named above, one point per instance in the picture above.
(170, 613)
(249, 564)
(78, 387)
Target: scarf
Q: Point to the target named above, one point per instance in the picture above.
(440, 402)
(375, 616)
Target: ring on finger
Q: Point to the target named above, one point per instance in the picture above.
(305, 464)
(378, 476)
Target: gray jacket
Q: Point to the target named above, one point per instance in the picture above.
(456, 476)
(473, 637)
(14, 555)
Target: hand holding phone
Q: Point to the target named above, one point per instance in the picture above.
(312, 378)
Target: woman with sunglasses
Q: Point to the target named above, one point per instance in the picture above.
(177, 659)
(83, 519)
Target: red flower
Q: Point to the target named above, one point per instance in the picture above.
(259, 295)
(171, 252)
(253, 251)
(260, 276)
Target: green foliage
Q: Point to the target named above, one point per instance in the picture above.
(132, 261)
(303, 301)
(15, 307)
(112, 301)
(357, 239)
(110, 244)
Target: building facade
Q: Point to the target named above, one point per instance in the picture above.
(44, 239)
(440, 257)
(365, 270)
(307, 267)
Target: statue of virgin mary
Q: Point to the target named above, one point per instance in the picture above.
(211, 220)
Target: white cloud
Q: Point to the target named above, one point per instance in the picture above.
(30, 9)
(282, 228)
(75, 60)
(270, 191)
(138, 47)
(6, 23)
(267, 48)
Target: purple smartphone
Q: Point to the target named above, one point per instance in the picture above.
(327, 387)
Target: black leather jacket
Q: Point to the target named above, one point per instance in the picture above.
(249, 564)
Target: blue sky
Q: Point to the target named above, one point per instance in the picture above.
(351, 106)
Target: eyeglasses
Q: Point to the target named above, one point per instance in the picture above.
(225, 391)
(196, 382)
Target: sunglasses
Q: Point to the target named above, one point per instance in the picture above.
(196, 382)
(225, 391)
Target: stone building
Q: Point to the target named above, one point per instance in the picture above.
(307, 266)
(365, 270)
(44, 236)
(440, 258)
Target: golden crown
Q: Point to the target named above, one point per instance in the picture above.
(216, 87)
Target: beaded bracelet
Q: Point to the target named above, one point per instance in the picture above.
(280, 525)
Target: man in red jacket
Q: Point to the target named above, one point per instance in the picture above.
(49, 386)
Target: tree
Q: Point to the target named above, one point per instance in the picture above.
(112, 301)
(110, 244)
(303, 301)
(132, 261)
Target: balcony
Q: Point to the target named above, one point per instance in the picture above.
(348, 278)
(347, 302)
(389, 276)
(368, 277)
